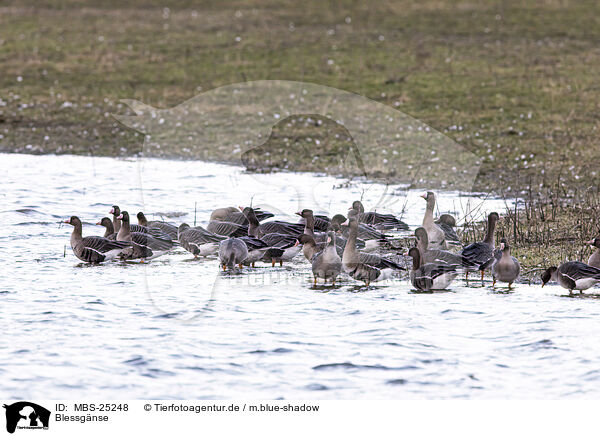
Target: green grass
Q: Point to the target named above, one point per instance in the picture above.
(520, 78)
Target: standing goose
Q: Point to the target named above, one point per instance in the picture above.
(436, 256)
(134, 228)
(373, 238)
(109, 231)
(232, 252)
(507, 268)
(447, 223)
(430, 276)
(310, 248)
(93, 249)
(321, 237)
(378, 220)
(481, 254)
(351, 260)
(163, 226)
(289, 245)
(327, 264)
(572, 276)
(594, 259)
(145, 246)
(437, 237)
(198, 241)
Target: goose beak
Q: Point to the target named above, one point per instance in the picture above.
(112, 210)
(98, 223)
(345, 223)
(241, 208)
(298, 213)
(350, 208)
(120, 217)
(67, 221)
(297, 243)
(590, 242)
(424, 196)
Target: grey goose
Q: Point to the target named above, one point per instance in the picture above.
(167, 228)
(327, 264)
(437, 237)
(145, 246)
(232, 252)
(481, 254)
(94, 249)
(378, 220)
(430, 276)
(594, 259)
(507, 268)
(572, 276)
(198, 241)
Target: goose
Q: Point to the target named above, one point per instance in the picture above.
(93, 249)
(373, 238)
(378, 220)
(481, 253)
(430, 276)
(134, 228)
(572, 276)
(437, 256)
(594, 259)
(198, 241)
(321, 237)
(507, 268)
(233, 215)
(109, 231)
(289, 244)
(232, 252)
(447, 223)
(437, 237)
(257, 249)
(165, 227)
(358, 270)
(145, 246)
(225, 228)
(327, 264)
(258, 230)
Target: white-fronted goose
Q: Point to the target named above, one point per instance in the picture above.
(573, 276)
(437, 237)
(594, 259)
(327, 264)
(93, 249)
(507, 268)
(437, 256)
(481, 254)
(321, 224)
(257, 249)
(378, 220)
(373, 238)
(109, 232)
(135, 228)
(289, 244)
(310, 248)
(447, 223)
(198, 241)
(165, 227)
(233, 215)
(232, 252)
(145, 246)
(351, 260)
(258, 230)
(321, 237)
(430, 276)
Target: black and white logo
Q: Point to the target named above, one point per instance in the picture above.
(26, 415)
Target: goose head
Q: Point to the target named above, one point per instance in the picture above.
(74, 221)
(104, 222)
(115, 210)
(548, 275)
(124, 216)
(358, 206)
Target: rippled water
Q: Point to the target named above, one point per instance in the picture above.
(176, 328)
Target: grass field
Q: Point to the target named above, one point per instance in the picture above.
(515, 82)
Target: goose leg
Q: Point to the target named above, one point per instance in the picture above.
(494, 282)
(482, 273)
(253, 264)
(280, 262)
(224, 267)
(241, 266)
(315, 281)
(273, 262)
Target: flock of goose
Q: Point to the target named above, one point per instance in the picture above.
(242, 236)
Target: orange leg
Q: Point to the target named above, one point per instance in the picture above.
(273, 262)
(482, 272)
(224, 267)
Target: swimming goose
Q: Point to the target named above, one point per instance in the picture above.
(378, 220)
(572, 276)
(258, 230)
(93, 249)
(507, 268)
(437, 237)
(436, 256)
(594, 259)
(430, 276)
(481, 253)
(145, 246)
(115, 211)
(198, 241)
(232, 252)
(165, 227)
(447, 223)
(109, 233)
(327, 264)
(289, 244)
(358, 270)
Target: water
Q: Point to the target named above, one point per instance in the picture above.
(177, 329)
